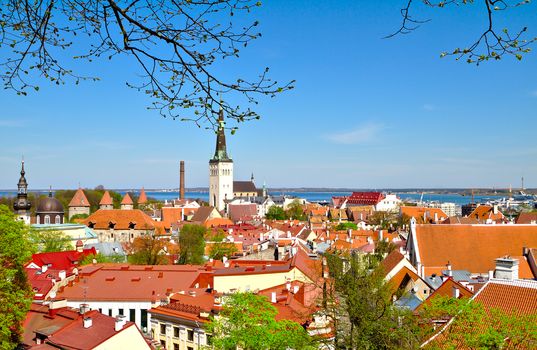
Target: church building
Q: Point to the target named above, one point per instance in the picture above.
(220, 171)
(22, 205)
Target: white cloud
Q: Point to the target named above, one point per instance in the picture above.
(11, 123)
(362, 134)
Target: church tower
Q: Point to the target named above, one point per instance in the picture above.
(220, 170)
(22, 205)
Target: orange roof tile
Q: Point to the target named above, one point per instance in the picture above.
(79, 199)
(106, 199)
(122, 219)
(423, 214)
(127, 199)
(217, 222)
(446, 290)
(486, 212)
(471, 247)
(519, 297)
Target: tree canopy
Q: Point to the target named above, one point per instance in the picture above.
(50, 241)
(492, 43)
(15, 292)
(247, 321)
(175, 45)
(148, 250)
(192, 244)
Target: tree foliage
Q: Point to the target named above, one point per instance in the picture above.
(100, 258)
(219, 247)
(343, 226)
(192, 244)
(358, 300)
(50, 241)
(174, 44)
(247, 322)
(472, 326)
(492, 43)
(15, 292)
(148, 250)
(275, 212)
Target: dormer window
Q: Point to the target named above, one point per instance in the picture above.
(132, 225)
(111, 225)
(91, 224)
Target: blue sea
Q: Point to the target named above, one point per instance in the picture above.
(311, 196)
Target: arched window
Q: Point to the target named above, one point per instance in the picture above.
(47, 219)
(38, 220)
(57, 220)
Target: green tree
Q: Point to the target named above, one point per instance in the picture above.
(472, 326)
(275, 213)
(100, 258)
(247, 322)
(295, 211)
(15, 292)
(343, 226)
(76, 217)
(50, 241)
(192, 244)
(358, 300)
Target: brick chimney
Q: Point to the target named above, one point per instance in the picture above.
(182, 180)
(506, 268)
(88, 322)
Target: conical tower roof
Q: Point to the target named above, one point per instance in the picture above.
(79, 199)
(127, 199)
(143, 197)
(106, 200)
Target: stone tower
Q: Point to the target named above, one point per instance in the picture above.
(79, 204)
(220, 170)
(22, 205)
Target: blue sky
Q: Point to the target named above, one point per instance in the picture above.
(366, 112)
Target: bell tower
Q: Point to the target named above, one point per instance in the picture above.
(220, 170)
(22, 205)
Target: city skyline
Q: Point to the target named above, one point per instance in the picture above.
(365, 113)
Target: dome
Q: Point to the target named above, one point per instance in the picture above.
(49, 205)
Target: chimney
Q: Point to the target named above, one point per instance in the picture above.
(83, 308)
(491, 274)
(295, 289)
(87, 322)
(121, 320)
(449, 270)
(288, 286)
(435, 216)
(62, 275)
(507, 268)
(381, 235)
(495, 209)
(44, 268)
(182, 180)
(273, 297)
(456, 293)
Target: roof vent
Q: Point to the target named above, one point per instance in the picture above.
(136, 279)
(88, 322)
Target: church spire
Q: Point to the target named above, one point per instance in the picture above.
(22, 205)
(220, 153)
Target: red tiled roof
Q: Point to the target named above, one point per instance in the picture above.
(446, 290)
(129, 282)
(239, 212)
(519, 297)
(486, 212)
(61, 260)
(471, 247)
(106, 199)
(122, 219)
(391, 261)
(365, 198)
(79, 199)
(527, 218)
(127, 199)
(423, 214)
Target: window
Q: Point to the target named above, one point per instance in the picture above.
(163, 343)
(57, 220)
(132, 315)
(209, 339)
(120, 311)
(175, 346)
(38, 220)
(143, 322)
(47, 219)
(176, 332)
(190, 335)
(189, 348)
(109, 312)
(162, 329)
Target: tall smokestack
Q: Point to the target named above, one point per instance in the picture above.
(182, 180)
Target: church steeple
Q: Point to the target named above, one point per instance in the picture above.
(22, 205)
(220, 153)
